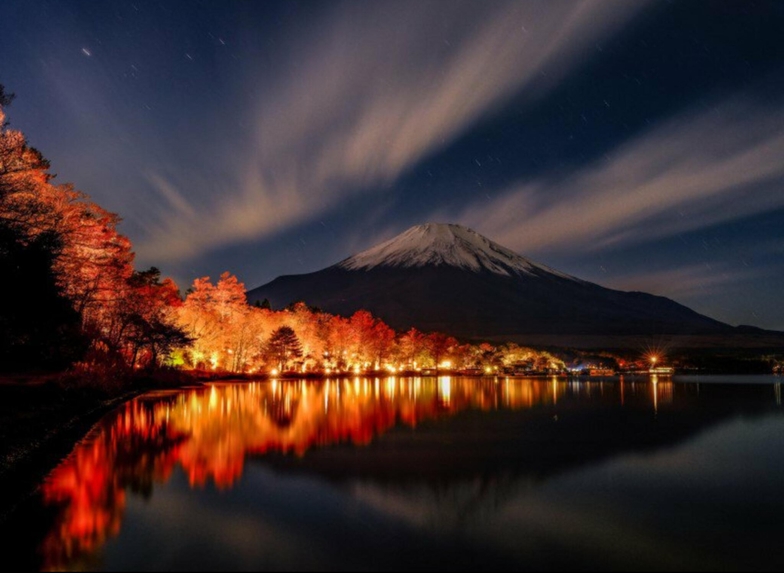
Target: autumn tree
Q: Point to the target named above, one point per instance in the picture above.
(304, 319)
(372, 337)
(340, 342)
(284, 346)
(413, 351)
(24, 176)
(38, 325)
(217, 318)
(96, 262)
(149, 327)
(439, 345)
(57, 245)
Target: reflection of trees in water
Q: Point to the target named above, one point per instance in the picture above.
(282, 410)
(209, 432)
(131, 453)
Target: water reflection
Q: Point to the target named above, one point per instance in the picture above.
(130, 452)
(208, 434)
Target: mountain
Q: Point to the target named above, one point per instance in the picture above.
(452, 279)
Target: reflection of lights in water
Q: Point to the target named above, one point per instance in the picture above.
(777, 393)
(147, 440)
(655, 385)
(445, 388)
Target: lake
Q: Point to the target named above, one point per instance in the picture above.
(421, 473)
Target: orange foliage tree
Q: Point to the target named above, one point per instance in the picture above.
(125, 315)
(230, 335)
(137, 319)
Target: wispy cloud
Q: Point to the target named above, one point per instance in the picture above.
(368, 92)
(683, 282)
(697, 170)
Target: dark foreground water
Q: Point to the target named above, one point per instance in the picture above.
(427, 473)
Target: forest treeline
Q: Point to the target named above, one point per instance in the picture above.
(229, 335)
(72, 299)
(71, 295)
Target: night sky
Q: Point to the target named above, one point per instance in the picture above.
(637, 145)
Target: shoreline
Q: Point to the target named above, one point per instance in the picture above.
(25, 468)
(41, 423)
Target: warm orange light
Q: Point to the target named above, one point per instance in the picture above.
(193, 431)
(445, 389)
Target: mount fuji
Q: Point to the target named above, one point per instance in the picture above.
(450, 278)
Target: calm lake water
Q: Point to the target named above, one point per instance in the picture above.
(424, 473)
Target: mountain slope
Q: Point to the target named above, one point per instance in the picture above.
(450, 278)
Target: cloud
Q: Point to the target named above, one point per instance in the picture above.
(368, 91)
(698, 170)
(688, 280)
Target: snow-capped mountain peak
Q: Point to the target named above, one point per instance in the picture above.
(452, 245)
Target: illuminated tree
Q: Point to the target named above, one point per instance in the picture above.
(219, 320)
(372, 338)
(284, 346)
(24, 176)
(340, 342)
(38, 325)
(149, 329)
(440, 345)
(412, 348)
(309, 328)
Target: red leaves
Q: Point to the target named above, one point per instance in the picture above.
(93, 263)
